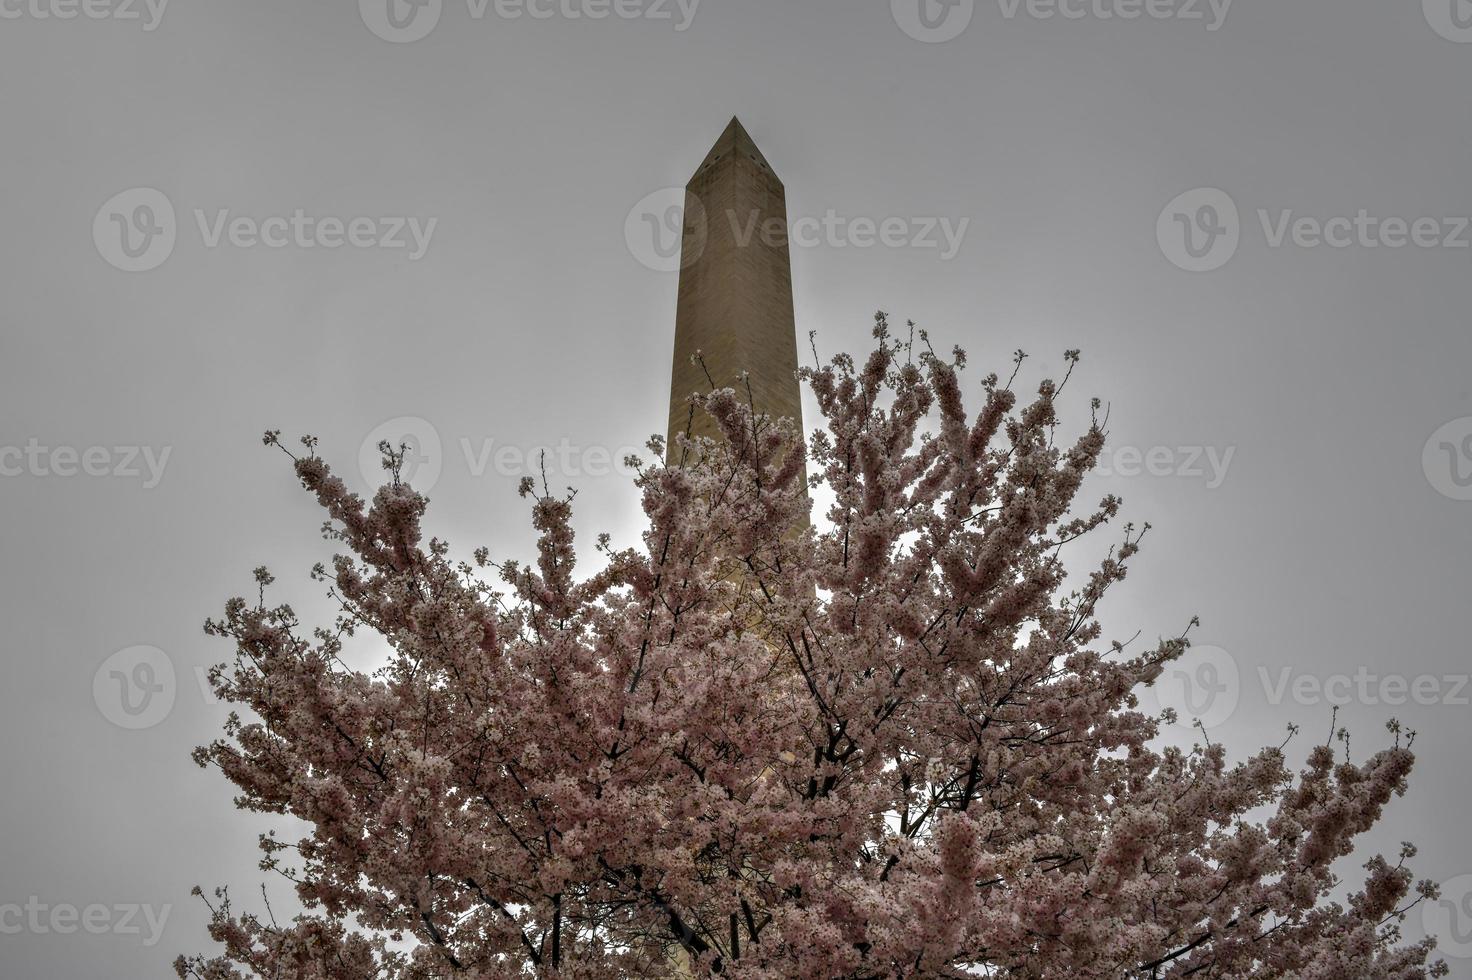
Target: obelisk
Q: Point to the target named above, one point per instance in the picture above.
(735, 295)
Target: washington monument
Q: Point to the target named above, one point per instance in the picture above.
(735, 298)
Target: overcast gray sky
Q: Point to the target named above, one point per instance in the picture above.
(182, 269)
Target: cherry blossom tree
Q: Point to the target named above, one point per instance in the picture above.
(889, 743)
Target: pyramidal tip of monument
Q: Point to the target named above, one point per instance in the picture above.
(733, 141)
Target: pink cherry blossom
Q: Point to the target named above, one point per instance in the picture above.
(884, 740)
